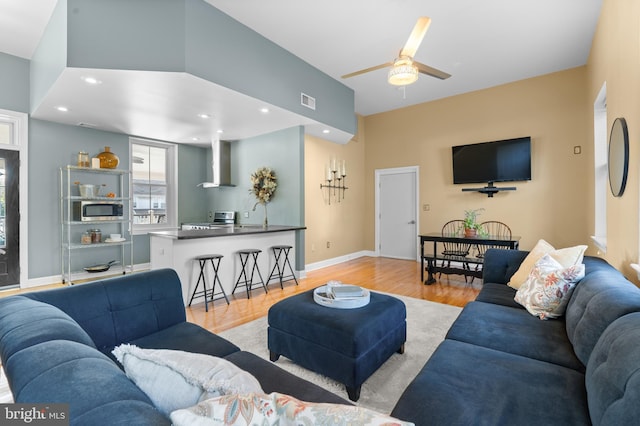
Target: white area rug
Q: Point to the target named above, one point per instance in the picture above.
(427, 324)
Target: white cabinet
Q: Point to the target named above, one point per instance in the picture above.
(109, 212)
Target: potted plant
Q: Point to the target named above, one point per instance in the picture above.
(471, 225)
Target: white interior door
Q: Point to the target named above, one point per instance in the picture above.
(397, 213)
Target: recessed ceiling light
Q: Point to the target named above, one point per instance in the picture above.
(264, 110)
(91, 80)
(325, 131)
(62, 108)
(219, 131)
(203, 115)
(195, 139)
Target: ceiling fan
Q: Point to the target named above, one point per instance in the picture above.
(404, 70)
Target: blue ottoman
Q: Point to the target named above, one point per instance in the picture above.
(347, 345)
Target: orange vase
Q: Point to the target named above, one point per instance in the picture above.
(108, 160)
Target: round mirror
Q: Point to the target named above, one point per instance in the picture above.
(618, 156)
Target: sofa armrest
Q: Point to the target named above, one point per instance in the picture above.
(500, 265)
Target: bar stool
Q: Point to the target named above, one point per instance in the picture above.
(248, 283)
(215, 263)
(277, 253)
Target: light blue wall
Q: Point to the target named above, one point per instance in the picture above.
(49, 59)
(126, 34)
(14, 83)
(222, 50)
(53, 145)
(283, 152)
(193, 205)
(192, 36)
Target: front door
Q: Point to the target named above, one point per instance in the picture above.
(9, 218)
(397, 227)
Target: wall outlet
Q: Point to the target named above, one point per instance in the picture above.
(328, 244)
(426, 207)
(210, 216)
(313, 247)
(246, 214)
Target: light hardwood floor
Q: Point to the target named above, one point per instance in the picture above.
(375, 273)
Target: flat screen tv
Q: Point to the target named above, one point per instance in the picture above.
(499, 161)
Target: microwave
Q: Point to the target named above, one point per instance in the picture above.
(85, 211)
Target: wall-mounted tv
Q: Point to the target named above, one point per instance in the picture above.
(499, 161)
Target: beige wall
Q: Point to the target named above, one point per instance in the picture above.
(615, 59)
(341, 224)
(556, 110)
(551, 109)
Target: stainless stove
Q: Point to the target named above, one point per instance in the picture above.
(221, 219)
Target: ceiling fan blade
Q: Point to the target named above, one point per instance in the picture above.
(433, 72)
(377, 67)
(416, 36)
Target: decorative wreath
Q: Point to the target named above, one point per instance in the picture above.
(264, 184)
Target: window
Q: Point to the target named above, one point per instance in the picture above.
(600, 154)
(6, 132)
(153, 185)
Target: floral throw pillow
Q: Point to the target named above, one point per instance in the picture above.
(547, 289)
(277, 409)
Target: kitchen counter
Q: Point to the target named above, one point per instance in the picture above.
(178, 249)
(224, 231)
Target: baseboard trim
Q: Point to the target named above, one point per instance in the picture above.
(54, 279)
(337, 260)
(42, 281)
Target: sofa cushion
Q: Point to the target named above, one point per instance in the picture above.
(274, 379)
(500, 265)
(499, 294)
(515, 331)
(547, 289)
(277, 409)
(599, 299)
(25, 322)
(189, 337)
(60, 371)
(465, 384)
(613, 376)
(121, 309)
(178, 379)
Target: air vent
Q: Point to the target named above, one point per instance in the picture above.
(308, 101)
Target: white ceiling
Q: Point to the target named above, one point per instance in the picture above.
(481, 43)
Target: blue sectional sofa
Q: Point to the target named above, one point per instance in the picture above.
(55, 347)
(499, 365)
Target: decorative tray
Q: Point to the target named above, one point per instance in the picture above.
(323, 296)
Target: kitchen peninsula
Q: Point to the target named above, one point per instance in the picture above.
(177, 250)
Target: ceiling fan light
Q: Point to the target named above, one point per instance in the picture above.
(403, 72)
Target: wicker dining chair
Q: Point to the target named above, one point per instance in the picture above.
(454, 228)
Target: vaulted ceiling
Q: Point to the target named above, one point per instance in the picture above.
(481, 44)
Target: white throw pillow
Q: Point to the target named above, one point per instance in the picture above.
(567, 257)
(177, 379)
(548, 288)
(276, 409)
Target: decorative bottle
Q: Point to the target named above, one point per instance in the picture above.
(108, 160)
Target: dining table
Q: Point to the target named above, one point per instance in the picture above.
(452, 264)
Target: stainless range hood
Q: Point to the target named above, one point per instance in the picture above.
(220, 165)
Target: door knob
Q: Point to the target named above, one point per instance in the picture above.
(412, 222)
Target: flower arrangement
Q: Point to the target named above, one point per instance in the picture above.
(263, 184)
